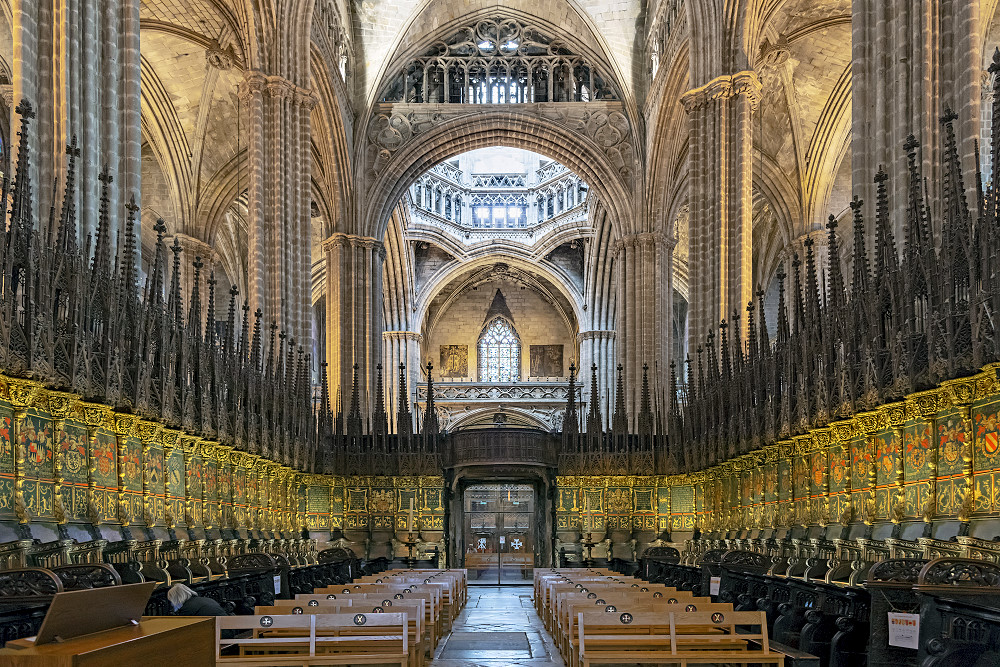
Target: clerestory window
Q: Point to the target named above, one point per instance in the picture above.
(499, 352)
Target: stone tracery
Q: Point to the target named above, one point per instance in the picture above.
(499, 61)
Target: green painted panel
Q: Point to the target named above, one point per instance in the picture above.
(73, 450)
(35, 436)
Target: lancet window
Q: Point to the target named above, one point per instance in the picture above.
(499, 352)
(499, 61)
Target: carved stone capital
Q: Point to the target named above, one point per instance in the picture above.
(724, 87)
(595, 335)
(331, 243)
(253, 84)
(402, 335)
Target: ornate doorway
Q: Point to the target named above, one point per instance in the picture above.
(499, 533)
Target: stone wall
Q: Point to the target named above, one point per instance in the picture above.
(537, 323)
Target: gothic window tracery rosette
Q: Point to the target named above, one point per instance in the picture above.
(499, 61)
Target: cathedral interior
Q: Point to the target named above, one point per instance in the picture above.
(699, 292)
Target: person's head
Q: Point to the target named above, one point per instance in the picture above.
(178, 595)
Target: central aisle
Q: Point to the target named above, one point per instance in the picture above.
(498, 626)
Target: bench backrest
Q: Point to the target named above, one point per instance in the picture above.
(706, 625)
(273, 631)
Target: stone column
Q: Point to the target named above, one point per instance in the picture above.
(720, 161)
(353, 314)
(77, 62)
(645, 285)
(597, 347)
(911, 59)
(279, 263)
(400, 347)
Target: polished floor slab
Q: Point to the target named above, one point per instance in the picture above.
(498, 627)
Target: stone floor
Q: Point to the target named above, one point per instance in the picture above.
(498, 627)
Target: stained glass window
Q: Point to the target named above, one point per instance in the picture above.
(499, 352)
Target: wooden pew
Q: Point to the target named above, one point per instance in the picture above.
(451, 595)
(570, 650)
(430, 611)
(459, 575)
(314, 639)
(397, 592)
(412, 608)
(621, 603)
(682, 638)
(411, 603)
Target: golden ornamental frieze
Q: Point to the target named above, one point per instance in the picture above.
(405, 482)
(23, 394)
(147, 431)
(189, 443)
(869, 423)
(803, 445)
(771, 453)
(61, 404)
(122, 424)
(926, 404)
(822, 437)
(842, 431)
(786, 449)
(988, 382)
(894, 414)
(431, 481)
(961, 392)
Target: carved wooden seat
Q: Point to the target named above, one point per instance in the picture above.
(978, 549)
(252, 561)
(49, 554)
(14, 555)
(174, 552)
(779, 551)
(133, 560)
(959, 612)
(908, 549)
(30, 584)
(87, 553)
(90, 575)
(817, 562)
(934, 549)
(217, 561)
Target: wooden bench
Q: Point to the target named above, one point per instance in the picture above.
(414, 610)
(682, 638)
(314, 639)
(567, 629)
(450, 597)
(424, 600)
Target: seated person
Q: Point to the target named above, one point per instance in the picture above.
(188, 603)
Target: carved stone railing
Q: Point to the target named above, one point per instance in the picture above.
(468, 235)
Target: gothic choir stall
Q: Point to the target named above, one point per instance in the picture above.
(468, 333)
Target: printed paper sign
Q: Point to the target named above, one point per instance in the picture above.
(503, 540)
(713, 585)
(277, 584)
(904, 630)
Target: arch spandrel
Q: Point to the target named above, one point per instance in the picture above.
(402, 141)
